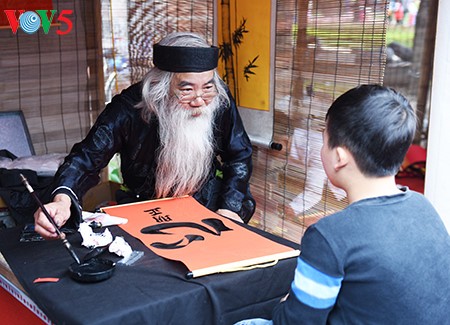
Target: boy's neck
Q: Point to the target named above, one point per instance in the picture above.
(369, 187)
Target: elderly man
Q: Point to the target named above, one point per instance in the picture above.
(178, 133)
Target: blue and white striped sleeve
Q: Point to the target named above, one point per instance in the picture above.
(313, 287)
(317, 281)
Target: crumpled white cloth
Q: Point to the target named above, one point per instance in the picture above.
(93, 239)
(43, 165)
(120, 247)
(103, 218)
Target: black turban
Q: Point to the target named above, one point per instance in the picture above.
(185, 59)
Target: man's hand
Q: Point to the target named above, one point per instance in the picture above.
(59, 210)
(229, 214)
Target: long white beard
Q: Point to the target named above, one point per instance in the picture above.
(187, 148)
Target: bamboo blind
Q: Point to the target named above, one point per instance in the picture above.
(323, 48)
(53, 79)
(149, 21)
(137, 25)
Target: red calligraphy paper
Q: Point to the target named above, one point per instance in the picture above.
(181, 229)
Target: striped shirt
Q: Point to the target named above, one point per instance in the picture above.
(383, 260)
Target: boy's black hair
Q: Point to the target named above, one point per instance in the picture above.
(376, 124)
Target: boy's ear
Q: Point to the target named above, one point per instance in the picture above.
(342, 158)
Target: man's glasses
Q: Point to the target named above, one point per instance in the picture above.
(189, 95)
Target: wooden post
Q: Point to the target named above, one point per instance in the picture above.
(426, 67)
(228, 47)
(301, 55)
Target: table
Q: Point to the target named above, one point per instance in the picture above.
(153, 290)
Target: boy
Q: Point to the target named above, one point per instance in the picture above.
(385, 259)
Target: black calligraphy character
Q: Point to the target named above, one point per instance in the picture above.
(154, 211)
(214, 223)
(165, 218)
(157, 215)
(177, 244)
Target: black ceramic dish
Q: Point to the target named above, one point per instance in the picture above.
(93, 270)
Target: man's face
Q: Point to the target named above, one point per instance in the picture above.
(194, 90)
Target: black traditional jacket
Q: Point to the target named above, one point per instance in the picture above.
(120, 129)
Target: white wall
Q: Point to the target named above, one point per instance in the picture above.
(437, 181)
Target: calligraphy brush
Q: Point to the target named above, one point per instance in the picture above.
(44, 210)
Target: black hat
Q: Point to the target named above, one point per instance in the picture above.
(185, 59)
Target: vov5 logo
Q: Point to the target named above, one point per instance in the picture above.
(31, 21)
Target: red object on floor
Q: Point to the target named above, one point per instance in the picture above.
(414, 183)
(415, 156)
(412, 171)
(13, 312)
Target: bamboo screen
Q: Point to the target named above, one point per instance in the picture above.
(323, 48)
(53, 78)
(149, 21)
(130, 28)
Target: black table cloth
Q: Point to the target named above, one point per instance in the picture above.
(153, 290)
